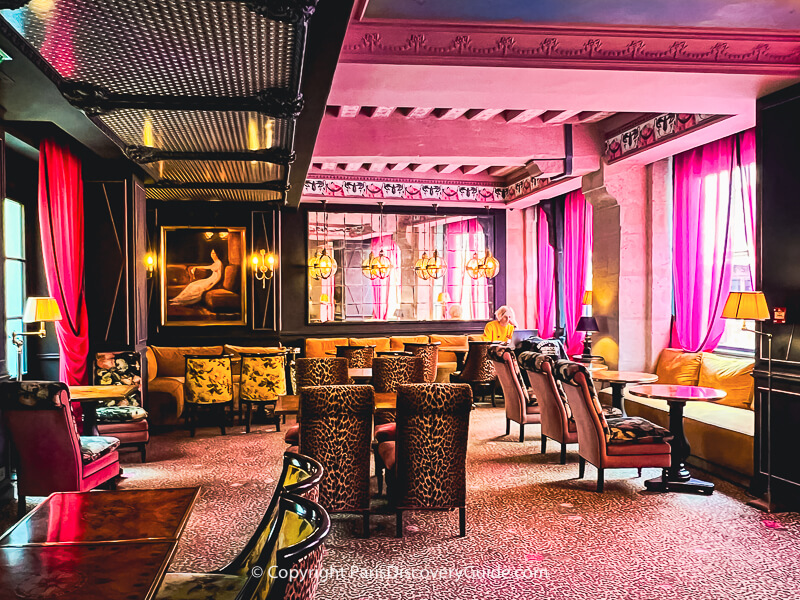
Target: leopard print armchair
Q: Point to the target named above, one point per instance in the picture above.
(428, 470)
(321, 371)
(429, 353)
(358, 357)
(335, 429)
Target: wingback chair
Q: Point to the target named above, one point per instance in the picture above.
(125, 420)
(429, 353)
(358, 357)
(263, 380)
(426, 464)
(208, 384)
(335, 429)
(478, 370)
(52, 456)
(557, 421)
(626, 442)
(520, 407)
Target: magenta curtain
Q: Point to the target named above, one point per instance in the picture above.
(707, 182)
(546, 290)
(747, 160)
(61, 224)
(577, 257)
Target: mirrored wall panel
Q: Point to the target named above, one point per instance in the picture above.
(400, 267)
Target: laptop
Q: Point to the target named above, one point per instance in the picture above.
(520, 335)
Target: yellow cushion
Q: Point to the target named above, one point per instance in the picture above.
(319, 347)
(171, 362)
(152, 364)
(449, 340)
(236, 362)
(734, 375)
(398, 342)
(676, 367)
(263, 379)
(381, 343)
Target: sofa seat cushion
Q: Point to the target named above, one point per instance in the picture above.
(381, 344)
(386, 450)
(120, 414)
(676, 367)
(320, 347)
(292, 435)
(95, 446)
(200, 586)
(170, 359)
(636, 430)
(398, 342)
(112, 429)
(734, 375)
(386, 432)
(634, 449)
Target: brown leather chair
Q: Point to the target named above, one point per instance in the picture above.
(626, 442)
(520, 407)
(426, 464)
(478, 370)
(429, 353)
(335, 430)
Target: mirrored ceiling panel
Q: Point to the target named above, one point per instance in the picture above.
(228, 172)
(214, 194)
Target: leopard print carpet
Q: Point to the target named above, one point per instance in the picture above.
(525, 513)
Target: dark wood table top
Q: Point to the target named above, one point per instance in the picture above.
(290, 405)
(91, 393)
(130, 570)
(680, 393)
(90, 517)
(624, 376)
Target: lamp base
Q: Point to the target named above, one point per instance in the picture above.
(587, 346)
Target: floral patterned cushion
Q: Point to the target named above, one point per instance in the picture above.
(208, 380)
(263, 378)
(119, 368)
(200, 586)
(120, 414)
(35, 395)
(95, 446)
(636, 430)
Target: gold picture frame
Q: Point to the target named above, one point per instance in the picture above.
(203, 276)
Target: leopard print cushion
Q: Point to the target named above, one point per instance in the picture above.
(358, 357)
(431, 447)
(34, 395)
(636, 430)
(565, 371)
(388, 372)
(429, 353)
(336, 430)
(321, 371)
(477, 366)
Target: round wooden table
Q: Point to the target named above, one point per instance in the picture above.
(677, 477)
(618, 381)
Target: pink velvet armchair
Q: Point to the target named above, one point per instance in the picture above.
(520, 407)
(626, 442)
(52, 456)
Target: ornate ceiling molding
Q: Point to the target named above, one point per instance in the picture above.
(673, 49)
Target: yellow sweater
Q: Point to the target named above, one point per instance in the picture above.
(494, 332)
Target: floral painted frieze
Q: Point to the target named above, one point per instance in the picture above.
(443, 192)
(652, 131)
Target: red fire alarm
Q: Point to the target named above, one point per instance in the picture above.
(780, 314)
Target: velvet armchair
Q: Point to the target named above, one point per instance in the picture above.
(520, 406)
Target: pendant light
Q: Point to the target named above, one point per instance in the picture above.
(421, 266)
(435, 267)
(378, 267)
(486, 267)
(322, 265)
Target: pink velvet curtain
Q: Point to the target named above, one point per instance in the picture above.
(546, 290)
(707, 181)
(61, 224)
(577, 257)
(383, 288)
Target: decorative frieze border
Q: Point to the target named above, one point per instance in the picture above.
(402, 41)
(652, 131)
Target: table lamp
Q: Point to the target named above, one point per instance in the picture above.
(752, 306)
(587, 325)
(41, 309)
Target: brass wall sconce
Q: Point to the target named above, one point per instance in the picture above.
(264, 264)
(150, 264)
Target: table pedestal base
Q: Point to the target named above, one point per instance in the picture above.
(691, 485)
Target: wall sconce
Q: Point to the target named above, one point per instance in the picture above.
(150, 264)
(264, 264)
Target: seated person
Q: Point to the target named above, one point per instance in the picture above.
(502, 327)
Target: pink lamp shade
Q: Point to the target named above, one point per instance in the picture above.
(750, 306)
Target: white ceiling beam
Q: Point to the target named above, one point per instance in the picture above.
(353, 166)
(503, 171)
(379, 112)
(553, 117)
(448, 168)
(474, 169)
(521, 116)
(398, 166)
(377, 167)
(593, 116)
(348, 111)
(449, 114)
(418, 112)
(422, 168)
(329, 166)
(478, 114)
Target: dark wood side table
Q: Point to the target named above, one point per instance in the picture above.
(618, 381)
(677, 477)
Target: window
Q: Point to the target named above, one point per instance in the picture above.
(14, 236)
(743, 261)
